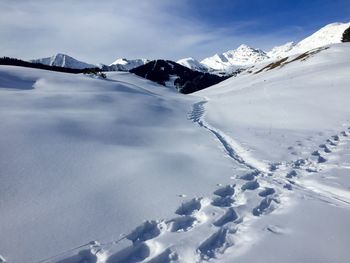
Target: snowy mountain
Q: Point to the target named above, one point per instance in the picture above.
(242, 56)
(176, 76)
(62, 60)
(280, 51)
(123, 64)
(193, 64)
(329, 34)
(245, 55)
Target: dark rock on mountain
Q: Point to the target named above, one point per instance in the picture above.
(170, 73)
(346, 35)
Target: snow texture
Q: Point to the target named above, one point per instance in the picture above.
(252, 169)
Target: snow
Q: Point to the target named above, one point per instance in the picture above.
(245, 56)
(171, 82)
(62, 60)
(329, 34)
(193, 64)
(123, 170)
(280, 51)
(242, 56)
(85, 159)
(284, 117)
(124, 64)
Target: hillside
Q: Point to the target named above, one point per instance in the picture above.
(252, 168)
(176, 76)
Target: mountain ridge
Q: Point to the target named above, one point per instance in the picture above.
(63, 60)
(220, 63)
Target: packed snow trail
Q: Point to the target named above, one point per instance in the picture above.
(233, 149)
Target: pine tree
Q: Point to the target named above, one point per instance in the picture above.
(346, 35)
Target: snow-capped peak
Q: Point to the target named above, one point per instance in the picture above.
(63, 60)
(241, 56)
(193, 64)
(128, 64)
(244, 47)
(245, 55)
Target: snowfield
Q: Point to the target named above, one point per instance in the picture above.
(253, 169)
(85, 159)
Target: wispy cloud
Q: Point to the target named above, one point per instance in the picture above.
(101, 31)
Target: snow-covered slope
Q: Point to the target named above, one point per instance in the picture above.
(193, 64)
(329, 34)
(62, 60)
(280, 51)
(242, 56)
(256, 170)
(85, 159)
(296, 119)
(123, 64)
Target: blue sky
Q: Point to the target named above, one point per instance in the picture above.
(102, 31)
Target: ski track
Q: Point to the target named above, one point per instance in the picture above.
(256, 193)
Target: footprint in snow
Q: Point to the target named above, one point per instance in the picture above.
(267, 191)
(316, 153)
(321, 159)
(222, 201)
(331, 143)
(251, 185)
(216, 243)
(266, 206)
(288, 187)
(335, 138)
(291, 174)
(343, 133)
(182, 223)
(227, 190)
(146, 231)
(299, 163)
(250, 176)
(325, 148)
(187, 208)
(229, 216)
(274, 166)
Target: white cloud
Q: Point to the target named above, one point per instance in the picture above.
(101, 31)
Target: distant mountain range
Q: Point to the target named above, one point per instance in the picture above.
(226, 62)
(246, 56)
(62, 60)
(242, 56)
